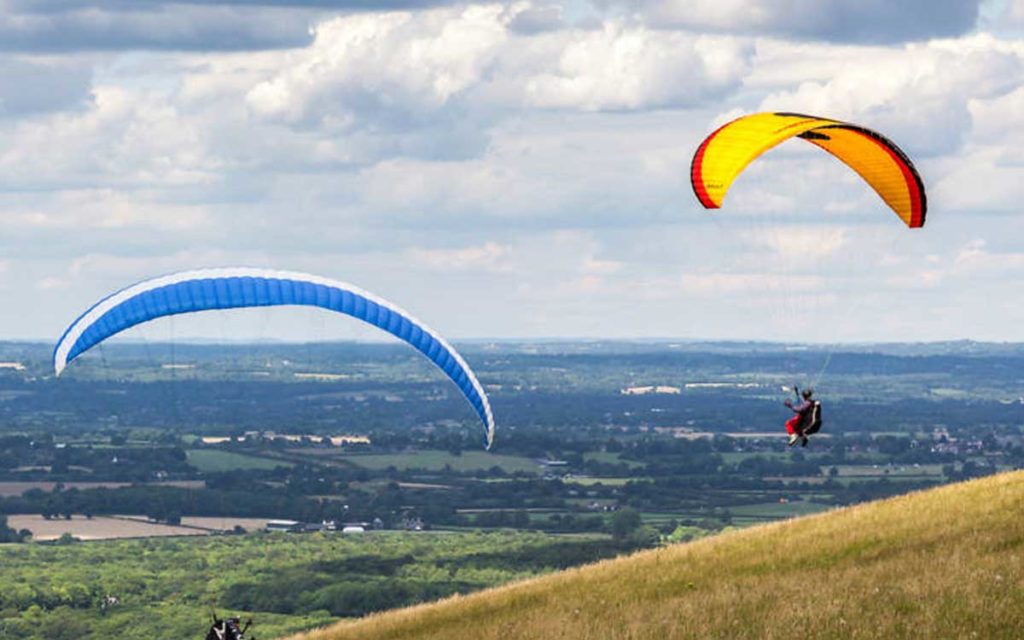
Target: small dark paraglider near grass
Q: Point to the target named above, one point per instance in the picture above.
(228, 629)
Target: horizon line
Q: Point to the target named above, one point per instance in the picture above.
(206, 341)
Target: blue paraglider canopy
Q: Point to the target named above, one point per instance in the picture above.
(230, 288)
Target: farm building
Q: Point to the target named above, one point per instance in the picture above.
(284, 525)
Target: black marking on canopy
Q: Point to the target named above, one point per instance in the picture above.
(813, 135)
(793, 114)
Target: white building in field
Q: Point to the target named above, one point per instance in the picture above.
(643, 391)
(288, 526)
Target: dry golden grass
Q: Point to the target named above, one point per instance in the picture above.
(945, 563)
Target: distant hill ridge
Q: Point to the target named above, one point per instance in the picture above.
(942, 563)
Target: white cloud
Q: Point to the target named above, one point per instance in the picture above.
(535, 166)
(808, 244)
(975, 259)
(395, 69)
(108, 266)
(1002, 16)
(126, 138)
(747, 283)
(392, 64)
(921, 100)
(489, 256)
(629, 68)
(50, 283)
(1015, 11)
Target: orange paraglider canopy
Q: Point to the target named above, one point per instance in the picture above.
(725, 153)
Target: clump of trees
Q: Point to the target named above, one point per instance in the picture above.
(7, 534)
(292, 581)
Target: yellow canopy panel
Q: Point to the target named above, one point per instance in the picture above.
(725, 154)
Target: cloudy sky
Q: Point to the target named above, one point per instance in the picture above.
(513, 169)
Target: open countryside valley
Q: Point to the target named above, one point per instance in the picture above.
(308, 500)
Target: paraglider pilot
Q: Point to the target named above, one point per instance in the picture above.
(227, 629)
(801, 415)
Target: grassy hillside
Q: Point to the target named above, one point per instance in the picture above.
(945, 563)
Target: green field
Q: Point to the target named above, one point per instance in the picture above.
(437, 460)
(747, 514)
(735, 457)
(608, 457)
(777, 510)
(212, 460)
(587, 481)
(931, 471)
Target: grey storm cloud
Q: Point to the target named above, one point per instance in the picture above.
(30, 87)
(187, 25)
(846, 21)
